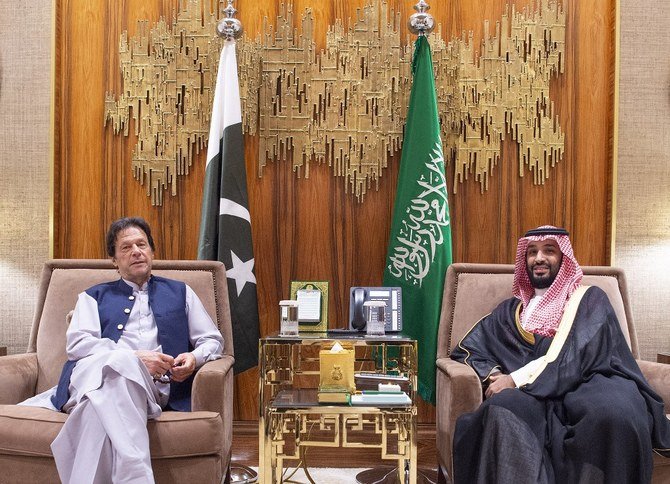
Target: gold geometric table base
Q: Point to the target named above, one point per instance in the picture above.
(289, 434)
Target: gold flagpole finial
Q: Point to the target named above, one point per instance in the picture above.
(421, 23)
(229, 27)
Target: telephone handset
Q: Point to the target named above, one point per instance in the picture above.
(357, 316)
(392, 296)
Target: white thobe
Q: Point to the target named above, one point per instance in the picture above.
(112, 393)
(522, 375)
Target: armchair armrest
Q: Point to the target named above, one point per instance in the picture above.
(658, 376)
(18, 377)
(213, 386)
(459, 391)
(463, 389)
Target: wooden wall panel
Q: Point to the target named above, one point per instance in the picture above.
(309, 228)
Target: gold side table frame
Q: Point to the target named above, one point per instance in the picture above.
(291, 420)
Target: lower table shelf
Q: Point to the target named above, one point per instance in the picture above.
(287, 432)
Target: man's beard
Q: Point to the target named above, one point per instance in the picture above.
(544, 281)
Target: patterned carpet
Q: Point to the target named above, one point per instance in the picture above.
(348, 476)
(321, 476)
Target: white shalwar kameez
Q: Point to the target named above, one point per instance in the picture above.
(112, 394)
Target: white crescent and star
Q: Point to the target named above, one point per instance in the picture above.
(241, 272)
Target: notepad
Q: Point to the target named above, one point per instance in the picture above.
(309, 305)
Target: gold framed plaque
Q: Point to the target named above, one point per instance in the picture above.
(312, 297)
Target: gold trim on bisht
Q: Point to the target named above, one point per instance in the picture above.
(526, 335)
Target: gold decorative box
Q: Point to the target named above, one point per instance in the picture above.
(337, 369)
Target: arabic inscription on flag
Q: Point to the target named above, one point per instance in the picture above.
(424, 224)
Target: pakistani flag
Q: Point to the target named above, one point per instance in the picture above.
(419, 248)
(225, 224)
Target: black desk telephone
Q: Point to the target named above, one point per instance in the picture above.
(392, 296)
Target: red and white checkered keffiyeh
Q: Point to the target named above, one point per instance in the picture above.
(547, 314)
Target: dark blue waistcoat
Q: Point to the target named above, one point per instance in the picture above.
(167, 299)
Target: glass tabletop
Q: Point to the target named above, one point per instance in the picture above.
(336, 335)
(308, 398)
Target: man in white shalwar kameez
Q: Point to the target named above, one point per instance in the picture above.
(133, 346)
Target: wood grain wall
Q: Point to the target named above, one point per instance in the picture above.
(310, 229)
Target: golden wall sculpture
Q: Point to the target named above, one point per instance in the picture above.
(502, 92)
(168, 75)
(344, 105)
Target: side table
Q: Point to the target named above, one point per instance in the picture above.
(291, 420)
(663, 357)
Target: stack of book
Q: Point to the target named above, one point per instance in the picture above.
(327, 395)
(370, 380)
(371, 397)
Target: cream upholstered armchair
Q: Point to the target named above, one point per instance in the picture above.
(470, 292)
(185, 446)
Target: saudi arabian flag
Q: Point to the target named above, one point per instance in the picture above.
(419, 248)
(225, 224)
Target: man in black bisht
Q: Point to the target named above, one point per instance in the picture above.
(565, 400)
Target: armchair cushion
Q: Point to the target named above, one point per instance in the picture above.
(28, 430)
